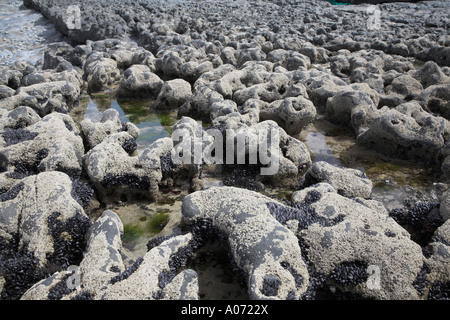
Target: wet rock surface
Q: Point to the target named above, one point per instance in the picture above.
(248, 75)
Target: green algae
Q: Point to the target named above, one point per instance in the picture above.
(158, 222)
(131, 233)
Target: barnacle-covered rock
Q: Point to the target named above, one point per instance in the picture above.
(353, 108)
(108, 123)
(41, 208)
(139, 82)
(266, 251)
(292, 114)
(51, 96)
(282, 158)
(101, 262)
(173, 94)
(112, 167)
(19, 117)
(158, 275)
(421, 220)
(366, 252)
(433, 282)
(51, 144)
(102, 275)
(407, 132)
(100, 72)
(198, 106)
(348, 182)
(42, 228)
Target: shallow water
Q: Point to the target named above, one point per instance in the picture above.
(395, 182)
(153, 125)
(24, 33)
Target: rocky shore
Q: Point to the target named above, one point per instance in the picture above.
(241, 68)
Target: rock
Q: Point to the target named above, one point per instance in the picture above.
(264, 250)
(352, 240)
(402, 89)
(292, 114)
(315, 54)
(399, 64)
(6, 92)
(190, 146)
(430, 74)
(269, 91)
(160, 270)
(217, 74)
(227, 84)
(228, 55)
(41, 220)
(63, 72)
(289, 59)
(107, 123)
(47, 289)
(280, 158)
(440, 54)
(139, 82)
(348, 182)
(10, 77)
(320, 87)
(100, 73)
(51, 144)
(173, 94)
(435, 98)
(407, 132)
(101, 274)
(354, 108)
(19, 117)
(127, 56)
(223, 107)
(192, 70)
(102, 260)
(198, 106)
(251, 54)
(420, 219)
(57, 96)
(444, 208)
(434, 280)
(170, 64)
(113, 170)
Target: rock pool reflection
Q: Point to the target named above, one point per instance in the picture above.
(395, 183)
(153, 125)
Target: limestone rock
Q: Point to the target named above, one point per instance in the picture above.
(52, 96)
(267, 252)
(108, 123)
(407, 132)
(292, 114)
(110, 166)
(139, 82)
(100, 72)
(43, 225)
(348, 182)
(173, 94)
(52, 143)
(364, 251)
(101, 273)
